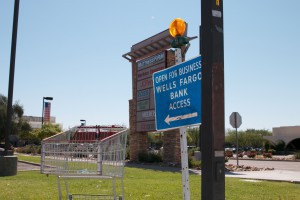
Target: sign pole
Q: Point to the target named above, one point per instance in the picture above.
(177, 102)
(184, 164)
(183, 146)
(235, 120)
(237, 147)
(237, 141)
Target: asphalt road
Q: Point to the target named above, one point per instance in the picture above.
(277, 165)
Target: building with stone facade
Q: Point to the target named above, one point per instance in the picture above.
(147, 57)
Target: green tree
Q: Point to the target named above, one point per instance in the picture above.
(248, 138)
(193, 136)
(280, 145)
(3, 103)
(31, 138)
(47, 130)
(19, 126)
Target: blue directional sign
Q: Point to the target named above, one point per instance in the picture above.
(177, 93)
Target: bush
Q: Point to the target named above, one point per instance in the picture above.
(228, 154)
(241, 154)
(251, 154)
(267, 145)
(143, 156)
(272, 151)
(149, 157)
(280, 145)
(267, 155)
(154, 157)
(194, 163)
(29, 149)
(191, 162)
(226, 159)
(191, 151)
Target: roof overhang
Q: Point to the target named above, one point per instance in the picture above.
(154, 44)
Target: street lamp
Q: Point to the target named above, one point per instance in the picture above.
(83, 120)
(11, 76)
(45, 98)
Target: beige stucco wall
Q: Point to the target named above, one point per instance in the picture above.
(285, 133)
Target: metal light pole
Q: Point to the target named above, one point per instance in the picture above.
(11, 74)
(213, 126)
(83, 120)
(45, 98)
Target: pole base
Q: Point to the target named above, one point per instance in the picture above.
(8, 165)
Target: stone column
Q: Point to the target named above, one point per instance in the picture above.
(171, 141)
(138, 141)
(171, 138)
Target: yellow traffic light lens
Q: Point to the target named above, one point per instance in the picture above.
(177, 27)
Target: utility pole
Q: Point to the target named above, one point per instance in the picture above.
(213, 123)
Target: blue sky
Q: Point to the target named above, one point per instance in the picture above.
(72, 51)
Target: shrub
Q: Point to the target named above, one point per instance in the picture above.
(154, 157)
(143, 156)
(149, 157)
(226, 159)
(228, 154)
(194, 163)
(267, 155)
(240, 155)
(272, 151)
(191, 162)
(280, 145)
(29, 149)
(267, 145)
(192, 151)
(251, 154)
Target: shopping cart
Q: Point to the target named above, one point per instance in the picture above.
(87, 152)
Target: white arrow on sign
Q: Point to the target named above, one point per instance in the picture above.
(180, 117)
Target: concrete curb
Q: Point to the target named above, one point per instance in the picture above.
(31, 163)
(297, 160)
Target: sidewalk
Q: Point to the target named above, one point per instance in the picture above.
(271, 175)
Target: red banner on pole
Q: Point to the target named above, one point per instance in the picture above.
(47, 111)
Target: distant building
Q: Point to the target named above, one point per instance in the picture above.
(289, 134)
(36, 122)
